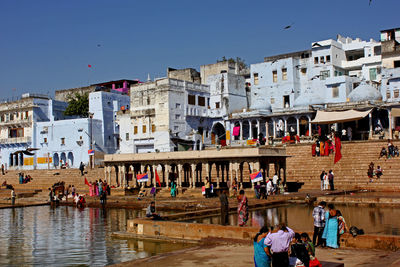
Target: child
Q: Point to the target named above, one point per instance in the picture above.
(309, 244)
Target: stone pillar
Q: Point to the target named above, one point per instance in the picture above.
(266, 132)
(298, 126)
(231, 174)
(390, 124)
(180, 168)
(274, 128)
(123, 176)
(207, 171)
(309, 126)
(370, 125)
(167, 172)
(258, 128)
(219, 172)
(250, 130)
(252, 169)
(241, 130)
(193, 180)
(285, 127)
(154, 176)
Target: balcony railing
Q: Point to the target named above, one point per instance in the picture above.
(16, 140)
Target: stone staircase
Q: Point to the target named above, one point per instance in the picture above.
(43, 179)
(350, 172)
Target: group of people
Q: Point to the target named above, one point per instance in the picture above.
(281, 246)
(327, 180)
(391, 151)
(372, 172)
(329, 225)
(24, 179)
(270, 187)
(322, 148)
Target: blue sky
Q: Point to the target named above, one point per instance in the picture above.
(47, 45)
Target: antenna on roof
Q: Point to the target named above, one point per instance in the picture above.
(148, 77)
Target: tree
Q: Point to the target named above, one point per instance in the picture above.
(78, 105)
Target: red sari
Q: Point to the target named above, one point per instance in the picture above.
(326, 148)
(243, 211)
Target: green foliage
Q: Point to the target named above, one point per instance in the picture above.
(78, 105)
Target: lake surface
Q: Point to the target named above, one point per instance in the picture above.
(67, 236)
(373, 220)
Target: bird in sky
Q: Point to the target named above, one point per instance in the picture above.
(288, 26)
(98, 45)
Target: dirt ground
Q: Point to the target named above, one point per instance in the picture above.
(242, 256)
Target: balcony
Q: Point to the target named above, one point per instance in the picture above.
(16, 140)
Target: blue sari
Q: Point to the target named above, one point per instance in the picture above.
(261, 259)
(331, 231)
(173, 189)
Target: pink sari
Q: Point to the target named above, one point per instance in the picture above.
(91, 190)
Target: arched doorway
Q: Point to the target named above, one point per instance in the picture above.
(218, 135)
(11, 163)
(291, 126)
(70, 159)
(303, 121)
(56, 160)
(63, 159)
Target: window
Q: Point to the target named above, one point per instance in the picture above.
(148, 100)
(45, 140)
(338, 73)
(177, 105)
(396, 93)
(153, 128)
(315, 60)
(144, 129)
(286, 101)
(191, 99)
(335, 92)
(176, 128)
(321, 59)
(135, 130)
(11, 117)
(2, 118)
(127, 136)
(275, 76)
(255, 78)
(303, 71)
(177, 116)
(26, 114)
(324, 74)
(284, 74)
(388, 94)
(201, 101)
(396, 64)
(372, 74)
(16, 132)
(216, 104)
(328, 58)
(63, 141)
(272, 100)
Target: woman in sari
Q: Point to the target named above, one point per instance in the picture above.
(91, 189)
(173, 189)
(96, 188)
(261, 258)
(321, 148)
(342, 225)
(243, 209)
(330, 233)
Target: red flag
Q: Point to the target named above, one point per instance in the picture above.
(89, 66)
(158, 179)
(86, 182)
(338, 147)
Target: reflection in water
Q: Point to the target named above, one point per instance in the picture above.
(373, 220)
(69, 236)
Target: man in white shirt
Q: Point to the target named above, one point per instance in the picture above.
(275, 183)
